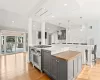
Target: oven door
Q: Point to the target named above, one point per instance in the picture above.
(37, 61)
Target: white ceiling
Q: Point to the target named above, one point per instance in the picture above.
(50, 28)
(18, 6)
(14, 13)
(12, 20)
(19, 10)
(88, 9)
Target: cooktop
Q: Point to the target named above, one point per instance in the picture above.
(42, 46)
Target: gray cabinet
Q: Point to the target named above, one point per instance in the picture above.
(46, 59)
(62, 70)
(58, 69)
(54, 67)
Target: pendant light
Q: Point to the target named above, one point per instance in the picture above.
(68, 25)
(59, 32)
(82, 26)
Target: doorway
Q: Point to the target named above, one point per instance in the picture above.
(15, 43)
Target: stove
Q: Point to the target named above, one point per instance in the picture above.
(42, 46)
(37, 55)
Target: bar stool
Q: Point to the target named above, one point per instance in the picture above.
(94, 54)
(86, 55)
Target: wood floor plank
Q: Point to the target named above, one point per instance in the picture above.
(15, 67)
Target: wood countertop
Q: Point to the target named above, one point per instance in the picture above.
(67, 55)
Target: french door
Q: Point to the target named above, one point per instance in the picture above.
(12, 44)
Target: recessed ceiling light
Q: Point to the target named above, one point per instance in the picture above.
(65, 4)
(81, 29)
(13, 21)
(53, 16)
(43, 8)
(33, 25)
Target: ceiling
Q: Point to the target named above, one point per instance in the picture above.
(18, 6)
(14, 13)
(63, 10)
(50, 28)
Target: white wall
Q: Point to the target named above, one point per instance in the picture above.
(77, 36)
(95, 34)
(55, 39)
(36, 28)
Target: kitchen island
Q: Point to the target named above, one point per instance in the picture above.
(64, 65)
(61, 62)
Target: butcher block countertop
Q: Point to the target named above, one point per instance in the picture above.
(67, 55)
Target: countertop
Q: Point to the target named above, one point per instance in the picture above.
(67, 55)
(58, 48)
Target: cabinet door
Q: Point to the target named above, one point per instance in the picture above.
(54, 67)
(62, 70)
(79, 64)
(75, 66)
(70, 70)
(46, 55)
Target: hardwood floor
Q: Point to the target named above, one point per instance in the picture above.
(15, 67)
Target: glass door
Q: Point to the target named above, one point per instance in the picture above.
(10, 44)
(2, 44)
(19, 44)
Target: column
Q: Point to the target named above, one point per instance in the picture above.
(43, 33)
(0, 42)
(67, 36)
(24, 42)
(30, 32)
(16, 43)
(29, 35)
(5, 44)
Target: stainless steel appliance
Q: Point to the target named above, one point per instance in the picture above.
(37, 55)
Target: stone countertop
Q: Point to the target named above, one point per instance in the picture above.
(57, 48)
(67, 55)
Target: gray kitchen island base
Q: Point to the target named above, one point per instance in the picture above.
(58, 67)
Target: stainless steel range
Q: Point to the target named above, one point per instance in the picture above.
(37, 55)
